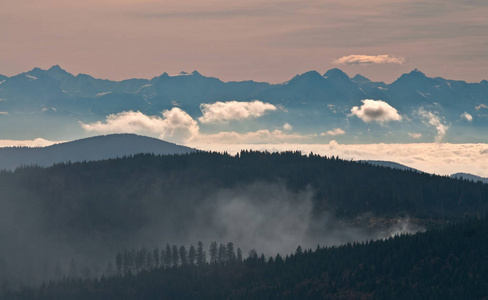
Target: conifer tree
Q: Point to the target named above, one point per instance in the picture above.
(183, 256)
(192, 255)
(156, 258)
(222, 256)
(201, 257)
(213, 250)
(174, 256)
(167, 256)
(239, 254)
(230, 253)
(118, 263)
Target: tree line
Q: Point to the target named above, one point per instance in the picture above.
(135, 261)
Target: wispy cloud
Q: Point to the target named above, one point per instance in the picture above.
(415, 135)
(377, 111)
(467, 116)
(333, 132)
(224, 112)
(481, 106)
(434, 120)
(369, 59)
(175, 124)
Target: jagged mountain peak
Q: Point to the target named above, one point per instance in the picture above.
(58, 73)
(415, 77)
(416, 72)
(336, 73)
(310, 75)
(56, 68)
(360, 79)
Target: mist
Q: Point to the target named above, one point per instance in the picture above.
(265, 216)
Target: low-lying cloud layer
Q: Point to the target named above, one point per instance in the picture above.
(254, 137)
(39, 142)
(376, 111)
(438, 158)
(224, 112)
(369, 59)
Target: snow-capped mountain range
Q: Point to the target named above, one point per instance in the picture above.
(414, 108)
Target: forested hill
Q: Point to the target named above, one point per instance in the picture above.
(447, 264)
(348, 188)
(88, 149)
(267, 201)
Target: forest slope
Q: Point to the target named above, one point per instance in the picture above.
(268, 201)
(446, 264)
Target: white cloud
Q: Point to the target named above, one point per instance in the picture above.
(224, 112)
(287, 127)
(333, 132)
(481, 106)
(370, 59)
(376, 110)
(467, 116)
(174, 125)
(179, 126)
(5, 113)
(415, 135)
(434, 120)
(39, 142)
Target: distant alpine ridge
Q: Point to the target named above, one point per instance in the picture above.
(89, 149)
(51, 103)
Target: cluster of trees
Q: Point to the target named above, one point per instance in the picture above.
(135, 261)
(438, 264)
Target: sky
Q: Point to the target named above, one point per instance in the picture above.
(256, 40)
(240, 40)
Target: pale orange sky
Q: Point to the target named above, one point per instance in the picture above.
(240, 40)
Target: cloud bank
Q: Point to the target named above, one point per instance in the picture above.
(438, 158)
(254, 137)
(369, 59)
(377, 111)
(224, 112)
(174, 125)
(39, 142)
